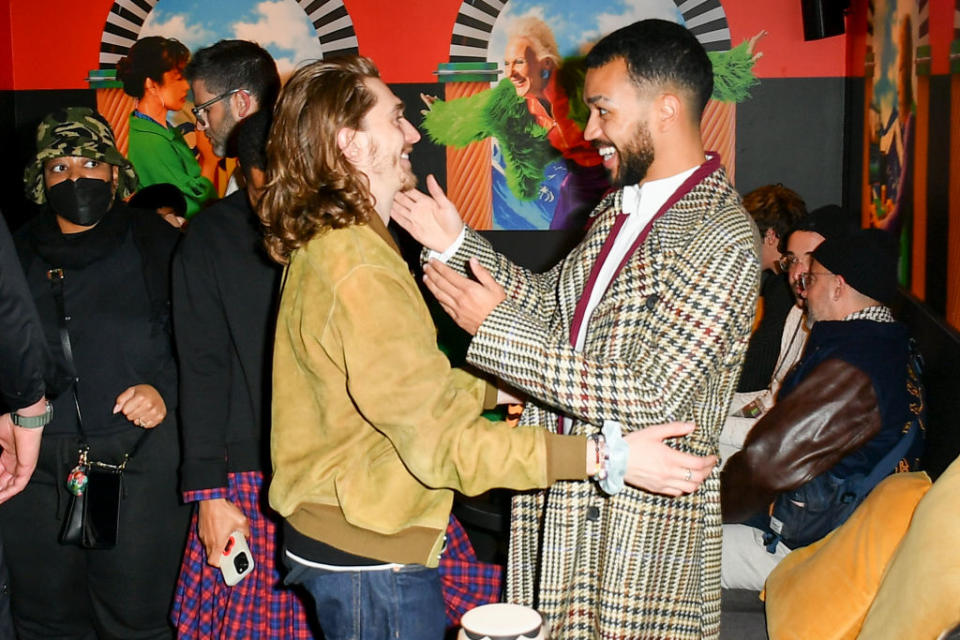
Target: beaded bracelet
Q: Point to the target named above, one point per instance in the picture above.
(600, 451)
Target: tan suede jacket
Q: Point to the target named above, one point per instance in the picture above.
(372, 429)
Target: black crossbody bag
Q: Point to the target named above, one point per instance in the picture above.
(92, 520)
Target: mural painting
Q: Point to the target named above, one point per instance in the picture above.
(289, 32)
(891, 121)
(514, 116)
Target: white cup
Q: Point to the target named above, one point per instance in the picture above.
(502, 621)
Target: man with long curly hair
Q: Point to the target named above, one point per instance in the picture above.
(372, 429)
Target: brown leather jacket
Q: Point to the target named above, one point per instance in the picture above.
(832, 413)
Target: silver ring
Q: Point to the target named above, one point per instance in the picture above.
(689, 475)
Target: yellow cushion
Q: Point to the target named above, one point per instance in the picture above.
(824, 590)
(920, 594)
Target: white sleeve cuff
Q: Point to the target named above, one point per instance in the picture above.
(452, 249)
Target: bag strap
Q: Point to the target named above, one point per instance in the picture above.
(55, 276)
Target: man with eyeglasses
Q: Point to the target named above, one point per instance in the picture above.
(231, 80)
(779, 336)
(849, 413)
(829, 221)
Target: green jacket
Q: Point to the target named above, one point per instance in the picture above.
(372, 429)
(161, 154)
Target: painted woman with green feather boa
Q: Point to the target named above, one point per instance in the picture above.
(536, 117)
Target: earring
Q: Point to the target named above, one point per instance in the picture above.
(545, 73)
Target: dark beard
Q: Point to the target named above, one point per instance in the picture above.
(635, 159)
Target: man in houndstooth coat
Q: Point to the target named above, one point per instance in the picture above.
(645, 322)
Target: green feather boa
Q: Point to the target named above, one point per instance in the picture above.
(499, 113)
(732, 74)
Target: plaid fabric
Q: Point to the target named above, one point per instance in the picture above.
(205, 494)
(665, 343)
(466, 582)
(259, 606)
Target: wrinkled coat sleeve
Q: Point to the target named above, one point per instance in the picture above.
(831, 413)
(24, 356)
(704, 309)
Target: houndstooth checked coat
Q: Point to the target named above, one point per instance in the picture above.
(666, 342)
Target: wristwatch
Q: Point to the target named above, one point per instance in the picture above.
(33, 422)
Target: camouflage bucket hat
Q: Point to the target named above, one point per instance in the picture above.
(76, 131)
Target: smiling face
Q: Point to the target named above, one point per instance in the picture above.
(524, 69)
(618, 124)
(385, 141)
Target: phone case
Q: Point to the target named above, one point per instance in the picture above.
(237, 561)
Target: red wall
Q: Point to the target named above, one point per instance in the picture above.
(54, 43)
(6, 50)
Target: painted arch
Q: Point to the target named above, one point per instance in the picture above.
(330, 18)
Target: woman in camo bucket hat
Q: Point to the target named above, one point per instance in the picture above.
(98, 272)
(82, 132)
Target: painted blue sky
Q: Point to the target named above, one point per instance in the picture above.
(576, 22)
(280, 26)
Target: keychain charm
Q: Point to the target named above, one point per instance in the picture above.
(77, 478)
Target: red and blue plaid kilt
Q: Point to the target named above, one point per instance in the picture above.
(466, 582)
(259, 606)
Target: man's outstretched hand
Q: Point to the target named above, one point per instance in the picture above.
(432, 220)
(467, 302)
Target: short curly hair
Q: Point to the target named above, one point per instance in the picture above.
(776, 207)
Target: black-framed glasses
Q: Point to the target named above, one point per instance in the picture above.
(200, 111)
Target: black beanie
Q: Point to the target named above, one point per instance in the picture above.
(829, 221)
(867, 260)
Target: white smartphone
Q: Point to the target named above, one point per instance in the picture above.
(237, 561)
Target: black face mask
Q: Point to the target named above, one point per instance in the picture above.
(83, 202)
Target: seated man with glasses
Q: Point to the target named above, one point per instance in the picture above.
(777, 338)
(786, 243)
(849, 413)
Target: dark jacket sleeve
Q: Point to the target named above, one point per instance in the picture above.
(156, 241)
(827, 416)
(203, 345)
(24, 355)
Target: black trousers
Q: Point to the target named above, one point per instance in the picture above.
(61, 591)
(6, 618)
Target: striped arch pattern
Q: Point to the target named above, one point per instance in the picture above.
(125, 20)
(923, 29)
(471, 32)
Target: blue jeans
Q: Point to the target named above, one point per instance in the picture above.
(395, 604)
